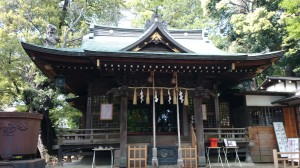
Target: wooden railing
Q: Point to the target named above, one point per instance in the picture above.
(193, 136)
(88, 136)
(237, 134)
(112, 135)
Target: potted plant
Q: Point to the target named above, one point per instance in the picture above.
(19, 131)
(19, 134)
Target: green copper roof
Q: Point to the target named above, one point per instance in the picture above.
(114, 41)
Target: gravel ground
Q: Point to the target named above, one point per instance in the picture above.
(103, 161)
(79, 164)
(244, 166)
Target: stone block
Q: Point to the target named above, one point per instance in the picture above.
(36, 163)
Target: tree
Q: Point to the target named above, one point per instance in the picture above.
(77, 15)
(26, 20)
(184, 14)
(20, 21)
(247, 26)
(291, 42)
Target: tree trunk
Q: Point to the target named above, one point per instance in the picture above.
(43, 151)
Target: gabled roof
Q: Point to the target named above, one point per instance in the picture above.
(115, 39)
(157, 34)
(272, 80)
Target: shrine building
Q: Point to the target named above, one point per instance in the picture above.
(161, 91)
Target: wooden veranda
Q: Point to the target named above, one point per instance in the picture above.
(76, 141)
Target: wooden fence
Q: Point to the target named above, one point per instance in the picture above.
(189, 155)
(285, 160)
(137, 155)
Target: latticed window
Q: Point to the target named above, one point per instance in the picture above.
(224, 114)
(140, 118)
(264, 115)
(96, 103)
(210, 121)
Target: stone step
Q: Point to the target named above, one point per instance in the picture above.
(116, 158)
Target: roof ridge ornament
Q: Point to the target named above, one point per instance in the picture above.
(155, 18)
(51, 37)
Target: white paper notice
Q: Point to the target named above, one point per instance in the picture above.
(281, 138)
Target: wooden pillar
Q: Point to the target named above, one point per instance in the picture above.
(199, 94)
(290, 122)
(185, 122)
(217, 107)
(88, 118)
(123, 126)
(59, 156)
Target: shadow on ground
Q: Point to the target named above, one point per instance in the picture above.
(102, 159)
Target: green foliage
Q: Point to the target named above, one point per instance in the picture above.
(291, 41)
(254, 32)
(64, 111)
(105, 12)
(26, 20)
(250, 27)
(20, 20)
(184, 14)
(220, 41)
(75, 17)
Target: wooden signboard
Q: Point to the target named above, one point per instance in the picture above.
(281, 138)
(106, 112)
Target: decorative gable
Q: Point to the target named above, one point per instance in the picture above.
(156, 39)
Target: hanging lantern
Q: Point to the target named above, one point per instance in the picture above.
(98, 63)
(60, 81)
(174, 97)
(233, 66)
(186, 98)
(161, 96)
(147, 97)
(134, 100)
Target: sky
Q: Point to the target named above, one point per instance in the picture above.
(126, 21)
